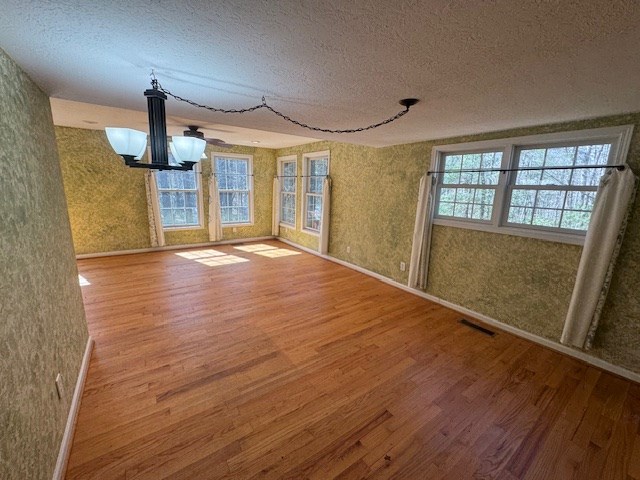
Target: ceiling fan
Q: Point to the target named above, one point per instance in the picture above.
(193, 132)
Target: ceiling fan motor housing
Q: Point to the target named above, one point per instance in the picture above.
(193, 132)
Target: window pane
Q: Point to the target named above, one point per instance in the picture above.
(461, 210)
(523, 198)
(550, 199)
(167, 216)
(453, 162)
(189, 179)
(447, 194)
(546, 217)
(530, 159)
(451, 178)
(192, 216)
(191, 199)
(314, 212)
(445, 208)
(481, 212)
(165, 200)
(593, 154)
(576, 220)
(520, 215)
(580, 200)
(162, 179)
(179, 216)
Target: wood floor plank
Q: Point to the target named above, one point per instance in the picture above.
(297, 368)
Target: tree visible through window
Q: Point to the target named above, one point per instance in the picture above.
(469, 194)
(233, 175)
(557, 198)
(178, 196)
(288, 192)
(540, 188)
(317, 170)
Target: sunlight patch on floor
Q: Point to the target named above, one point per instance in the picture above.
(200, 254)
(83, 281)
(212, 258)
(278, 252)
(223, 260)
(268, 251)
(256, 247)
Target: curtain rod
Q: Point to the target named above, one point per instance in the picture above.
(524, 169)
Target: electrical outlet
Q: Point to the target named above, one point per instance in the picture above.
(348, 249)
(403, 266)
(59, 386)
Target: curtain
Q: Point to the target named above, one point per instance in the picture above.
(215, 217)
(421, 245)
(601, 246)
(153, 210)
(275, 222)
(323, 248)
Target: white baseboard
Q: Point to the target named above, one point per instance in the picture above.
(173, 247)
(580, 355)
(67, 438)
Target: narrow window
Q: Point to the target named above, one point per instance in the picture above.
(235, 185)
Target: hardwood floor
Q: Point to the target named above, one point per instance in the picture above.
(270, 363)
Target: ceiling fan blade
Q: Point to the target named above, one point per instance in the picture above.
(219, 143)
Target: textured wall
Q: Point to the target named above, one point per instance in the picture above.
(42, 325)
(505, 277)
(107, 200)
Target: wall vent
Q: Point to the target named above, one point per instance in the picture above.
(475, 326)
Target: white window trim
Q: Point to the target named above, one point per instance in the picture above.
(250, 183)
(619, 137)
(281, 162)
(303, 201)
(197, 169)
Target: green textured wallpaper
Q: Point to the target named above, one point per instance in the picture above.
(486, 272)
(42, 324)
(505, 277)
(108, 204)
(107, 200)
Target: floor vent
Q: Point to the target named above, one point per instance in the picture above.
(469, 324)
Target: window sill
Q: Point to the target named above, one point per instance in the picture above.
(186, 227)
(287, 225)
(559, 237)
(236, 225)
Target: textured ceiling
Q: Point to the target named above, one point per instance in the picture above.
(476, 65)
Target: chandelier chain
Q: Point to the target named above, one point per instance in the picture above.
(266, 106)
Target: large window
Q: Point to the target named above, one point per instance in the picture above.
(234, 177)
(288, 168)
(316, 169)
(546, 196)
(180, 198)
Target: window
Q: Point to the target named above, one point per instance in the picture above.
(546, 198)
(288, 178)
(556, 198)
(316, 168)
(469, 194)
(234, 177)
(180, 197)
